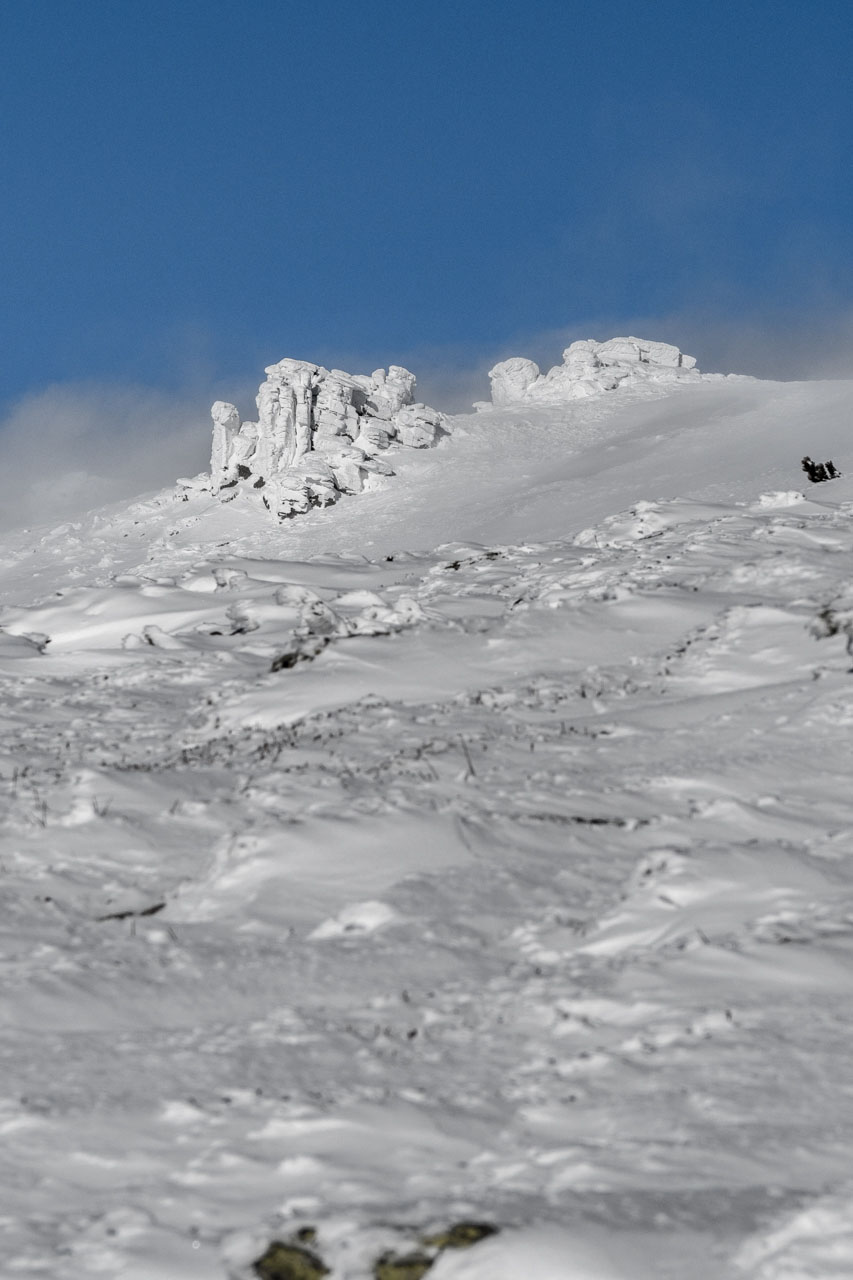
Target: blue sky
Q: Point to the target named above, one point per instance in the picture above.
(193, 188)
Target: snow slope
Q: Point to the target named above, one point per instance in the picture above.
(478, 849)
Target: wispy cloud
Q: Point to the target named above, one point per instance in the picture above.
(69, 448)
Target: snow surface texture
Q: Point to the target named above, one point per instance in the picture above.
(589, 368)
(460, 853)
(319, 434)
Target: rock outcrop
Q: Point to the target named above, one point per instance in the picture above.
(589, 368)
(319, 433)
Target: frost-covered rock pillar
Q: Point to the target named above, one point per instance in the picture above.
(303, 414)
(285, 415)
(226, 425)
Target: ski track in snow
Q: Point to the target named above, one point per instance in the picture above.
(519, 891)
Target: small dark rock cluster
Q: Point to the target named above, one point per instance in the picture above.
(296, 1261)
(818, 471)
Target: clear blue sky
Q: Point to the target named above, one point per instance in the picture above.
(192, 188)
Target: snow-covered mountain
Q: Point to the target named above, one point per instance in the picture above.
(466, 863)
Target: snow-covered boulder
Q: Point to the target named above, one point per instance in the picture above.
(590, 368)
(318, 434)
(511, 379)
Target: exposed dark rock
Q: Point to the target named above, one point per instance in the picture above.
(409, 1266)
(289, 1262)
(461, 1235)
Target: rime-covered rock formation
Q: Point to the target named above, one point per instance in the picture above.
(319, 433)
(589, 368)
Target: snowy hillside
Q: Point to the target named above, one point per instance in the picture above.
(455, 880)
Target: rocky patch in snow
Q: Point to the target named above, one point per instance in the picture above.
(319, 434)
(589, 368)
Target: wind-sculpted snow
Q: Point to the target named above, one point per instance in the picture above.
(349, 898)
(590, 368)
(319, 434)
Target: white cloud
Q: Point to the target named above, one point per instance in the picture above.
(75, 446)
